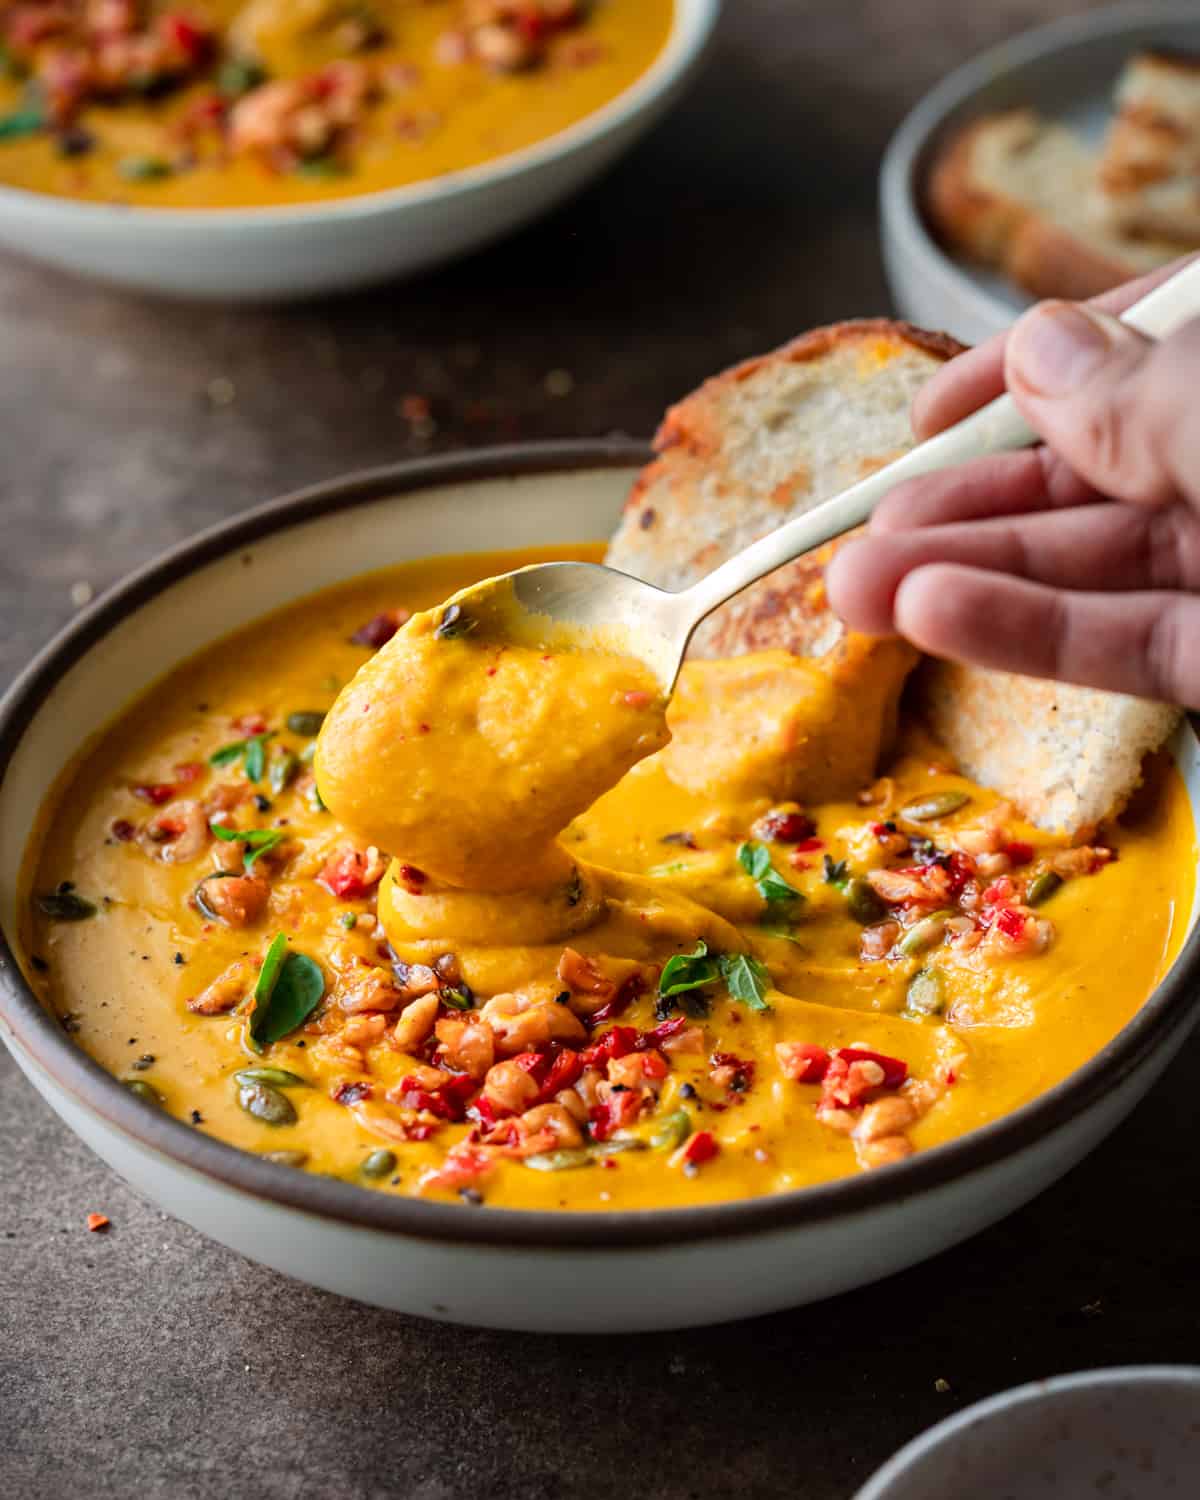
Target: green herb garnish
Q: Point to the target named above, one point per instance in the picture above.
(755, 859)
(64, 904)
(238, 76)
(306, 722)
(143, 168)
(249, 751)
(254, 841)
(836, 872)
(289, 989)
(321, 166)
(744, 976)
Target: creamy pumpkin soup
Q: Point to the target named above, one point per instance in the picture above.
(233, 103)
(371, 891)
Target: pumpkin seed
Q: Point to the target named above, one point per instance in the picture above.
(306, 722)
(286, 1158)
(560, 1161)
(65, 905)
(281, 770)
(926, 993)
(673, 1131)
(925, 934)
(1042, 887)
(143, 168)
(140, 1089)
(862, 902)
(379, 1163)
(939, 805)
(617, 1147)
(454, 622)
(279, 1078)
(267, 1104)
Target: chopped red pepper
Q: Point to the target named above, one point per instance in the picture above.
(562, 1073)
(700, 1148)
(123, 829)
(895, 1069)
(620, 1108)
(448, 1101)
(661, 1033)
(188, 771)
(97, 1221)
(347, 874)
(1010, 922)
(379, 631)
(156, 792)
(802, 1062)
(779, 827)
(614, 1043)
(1020, 852)
(810, 846)
(627, 992)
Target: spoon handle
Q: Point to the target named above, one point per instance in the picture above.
(997, 427)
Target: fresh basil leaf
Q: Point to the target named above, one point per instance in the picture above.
(254, 762)
(688, 971)
(289, 989)
(755, 859)
(785, 930)
(254, 841)
(746, 978)
(227, 754)
(282, 771)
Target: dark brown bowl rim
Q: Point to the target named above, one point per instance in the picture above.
(1171, 1006)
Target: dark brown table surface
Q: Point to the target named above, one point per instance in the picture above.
(150, 1362)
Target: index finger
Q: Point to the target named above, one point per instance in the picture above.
(970, 380)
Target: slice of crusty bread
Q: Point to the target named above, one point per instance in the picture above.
(1070, 757)
(1148, 175)
(772, 437)
(762, 443)
(1016, 192)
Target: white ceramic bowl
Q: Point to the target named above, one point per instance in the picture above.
(1066, 71)
(1121, 1434)
(271, 254)
(503, 1268)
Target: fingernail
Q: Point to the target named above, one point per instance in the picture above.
(1053, 350)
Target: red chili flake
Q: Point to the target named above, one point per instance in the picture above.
(344, 874)
(156, 793)
(895, 1069)
(248, 724)
(951, 1078)
(123, 829)
(188, 771)
(351, 1093)
(810, 846)
(627, 992)
(804, 1062)
(618, 1110)
(97, 1222)
(614, 1043)
(661, 1033)
(742, 1068)
(999, 892)
(700, 1148)
(448, 1101)
(379, 631)
(779, 827)
(1020, 852)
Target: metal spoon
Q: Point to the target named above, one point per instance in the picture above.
(595, 605)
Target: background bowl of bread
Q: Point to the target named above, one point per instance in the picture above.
(1058, 164)
(836, 403)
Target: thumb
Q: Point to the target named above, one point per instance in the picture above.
(1117, 407)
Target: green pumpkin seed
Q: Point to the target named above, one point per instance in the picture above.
(286, 1158)
(65, 905)
(282, 770)
(560, 1161)
(673, 1131)
(455, 622)
(306, 722)
(267, 1104)
(143, 168)
(379, 1163)
(862, 902)
(926, 934)
(1042, 887)
(926, 993)
(140, 1089)
(939, 805)
(278, 1078)
(616, 1147)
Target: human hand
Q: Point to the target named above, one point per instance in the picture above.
(1079, 560)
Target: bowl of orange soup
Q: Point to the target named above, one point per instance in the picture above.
(464, 976)
(269, 149)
